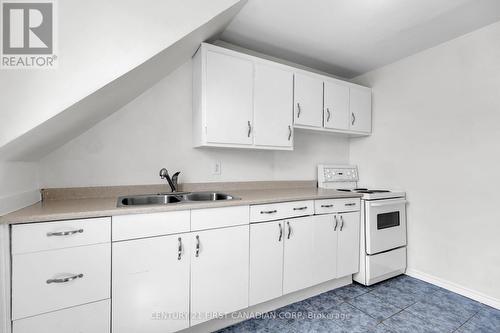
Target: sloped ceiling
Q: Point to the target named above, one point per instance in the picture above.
(104, 64)
(351, 37)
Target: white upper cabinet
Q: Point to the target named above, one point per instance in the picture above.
(308, 100)
(273, 93)
(336, 106)
(229, 99)
(242, 101)
(360, 107)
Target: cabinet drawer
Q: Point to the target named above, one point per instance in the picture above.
(148, 225)
(88, 318)
(219, 217)
(282, 210)
(38, 279)
(329, 206)
(34, 237)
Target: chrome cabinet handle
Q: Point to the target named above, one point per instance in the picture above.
(336, 223)
(179, 249)
(350, 204)
(268, 211)
(328, 114)
(197, 246)
(289, 229)
(327, 206)
(65, 233)
(249, 128)
(298, 110)
(64, 280)
(289, 132)
(281, 232)
(353, 118)
(341, 222)
(300, 208)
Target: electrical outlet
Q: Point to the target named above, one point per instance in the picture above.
(216, 168)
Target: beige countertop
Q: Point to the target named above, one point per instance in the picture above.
(66, 209)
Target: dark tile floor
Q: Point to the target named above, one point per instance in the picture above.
(402, 304)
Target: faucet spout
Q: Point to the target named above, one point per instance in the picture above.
(171, 182)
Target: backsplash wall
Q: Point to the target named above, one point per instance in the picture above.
(154, 131)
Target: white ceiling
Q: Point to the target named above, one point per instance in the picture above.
(351, 37)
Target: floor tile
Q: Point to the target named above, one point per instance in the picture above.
(351, 291)
(374, 306)
(431, 313)
(447, 301)
(407, 322)
(323, 302)
(418, 287)
(486, 320)
(351, 319)
(395, 295)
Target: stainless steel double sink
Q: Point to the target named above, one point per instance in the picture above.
(169, 198)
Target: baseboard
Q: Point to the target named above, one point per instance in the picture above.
(456, 288)
(17, 201)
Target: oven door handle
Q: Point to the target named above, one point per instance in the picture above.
(387, 203)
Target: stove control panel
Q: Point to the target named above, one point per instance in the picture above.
(330, 175)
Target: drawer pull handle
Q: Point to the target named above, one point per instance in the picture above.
(351, 204)
(65, 233)
(336, 223)
(326, 206)
(64, 280)
(179, 249)
(341, 223)
(300, 208)
(197, 246)
(268, 211)
(289, 229)
(281, 232)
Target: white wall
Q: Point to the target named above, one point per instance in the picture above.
(437, 135)
(98, 41)
(18, 185)
(154, 131)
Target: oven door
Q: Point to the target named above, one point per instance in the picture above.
(385, 224)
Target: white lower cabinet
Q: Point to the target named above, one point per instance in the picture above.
(298, 254)
(219, 272)
(88, 318)
(150, 282)
(310, 253)
(266, 261)
(348, 248)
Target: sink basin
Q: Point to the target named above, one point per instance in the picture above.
(165, 199)
(148, 199)
(207, 196)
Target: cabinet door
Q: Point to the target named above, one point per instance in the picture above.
(229, 99)
(150, 283)
(360, 103)
(298, 254)
(348, 248)
(336, 108)
(324, 244)
(266, 261)
(273, 106)
(308, 101)
(219, 272)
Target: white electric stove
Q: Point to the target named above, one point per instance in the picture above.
(383, 224)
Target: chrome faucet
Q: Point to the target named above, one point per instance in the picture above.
(171, 181)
